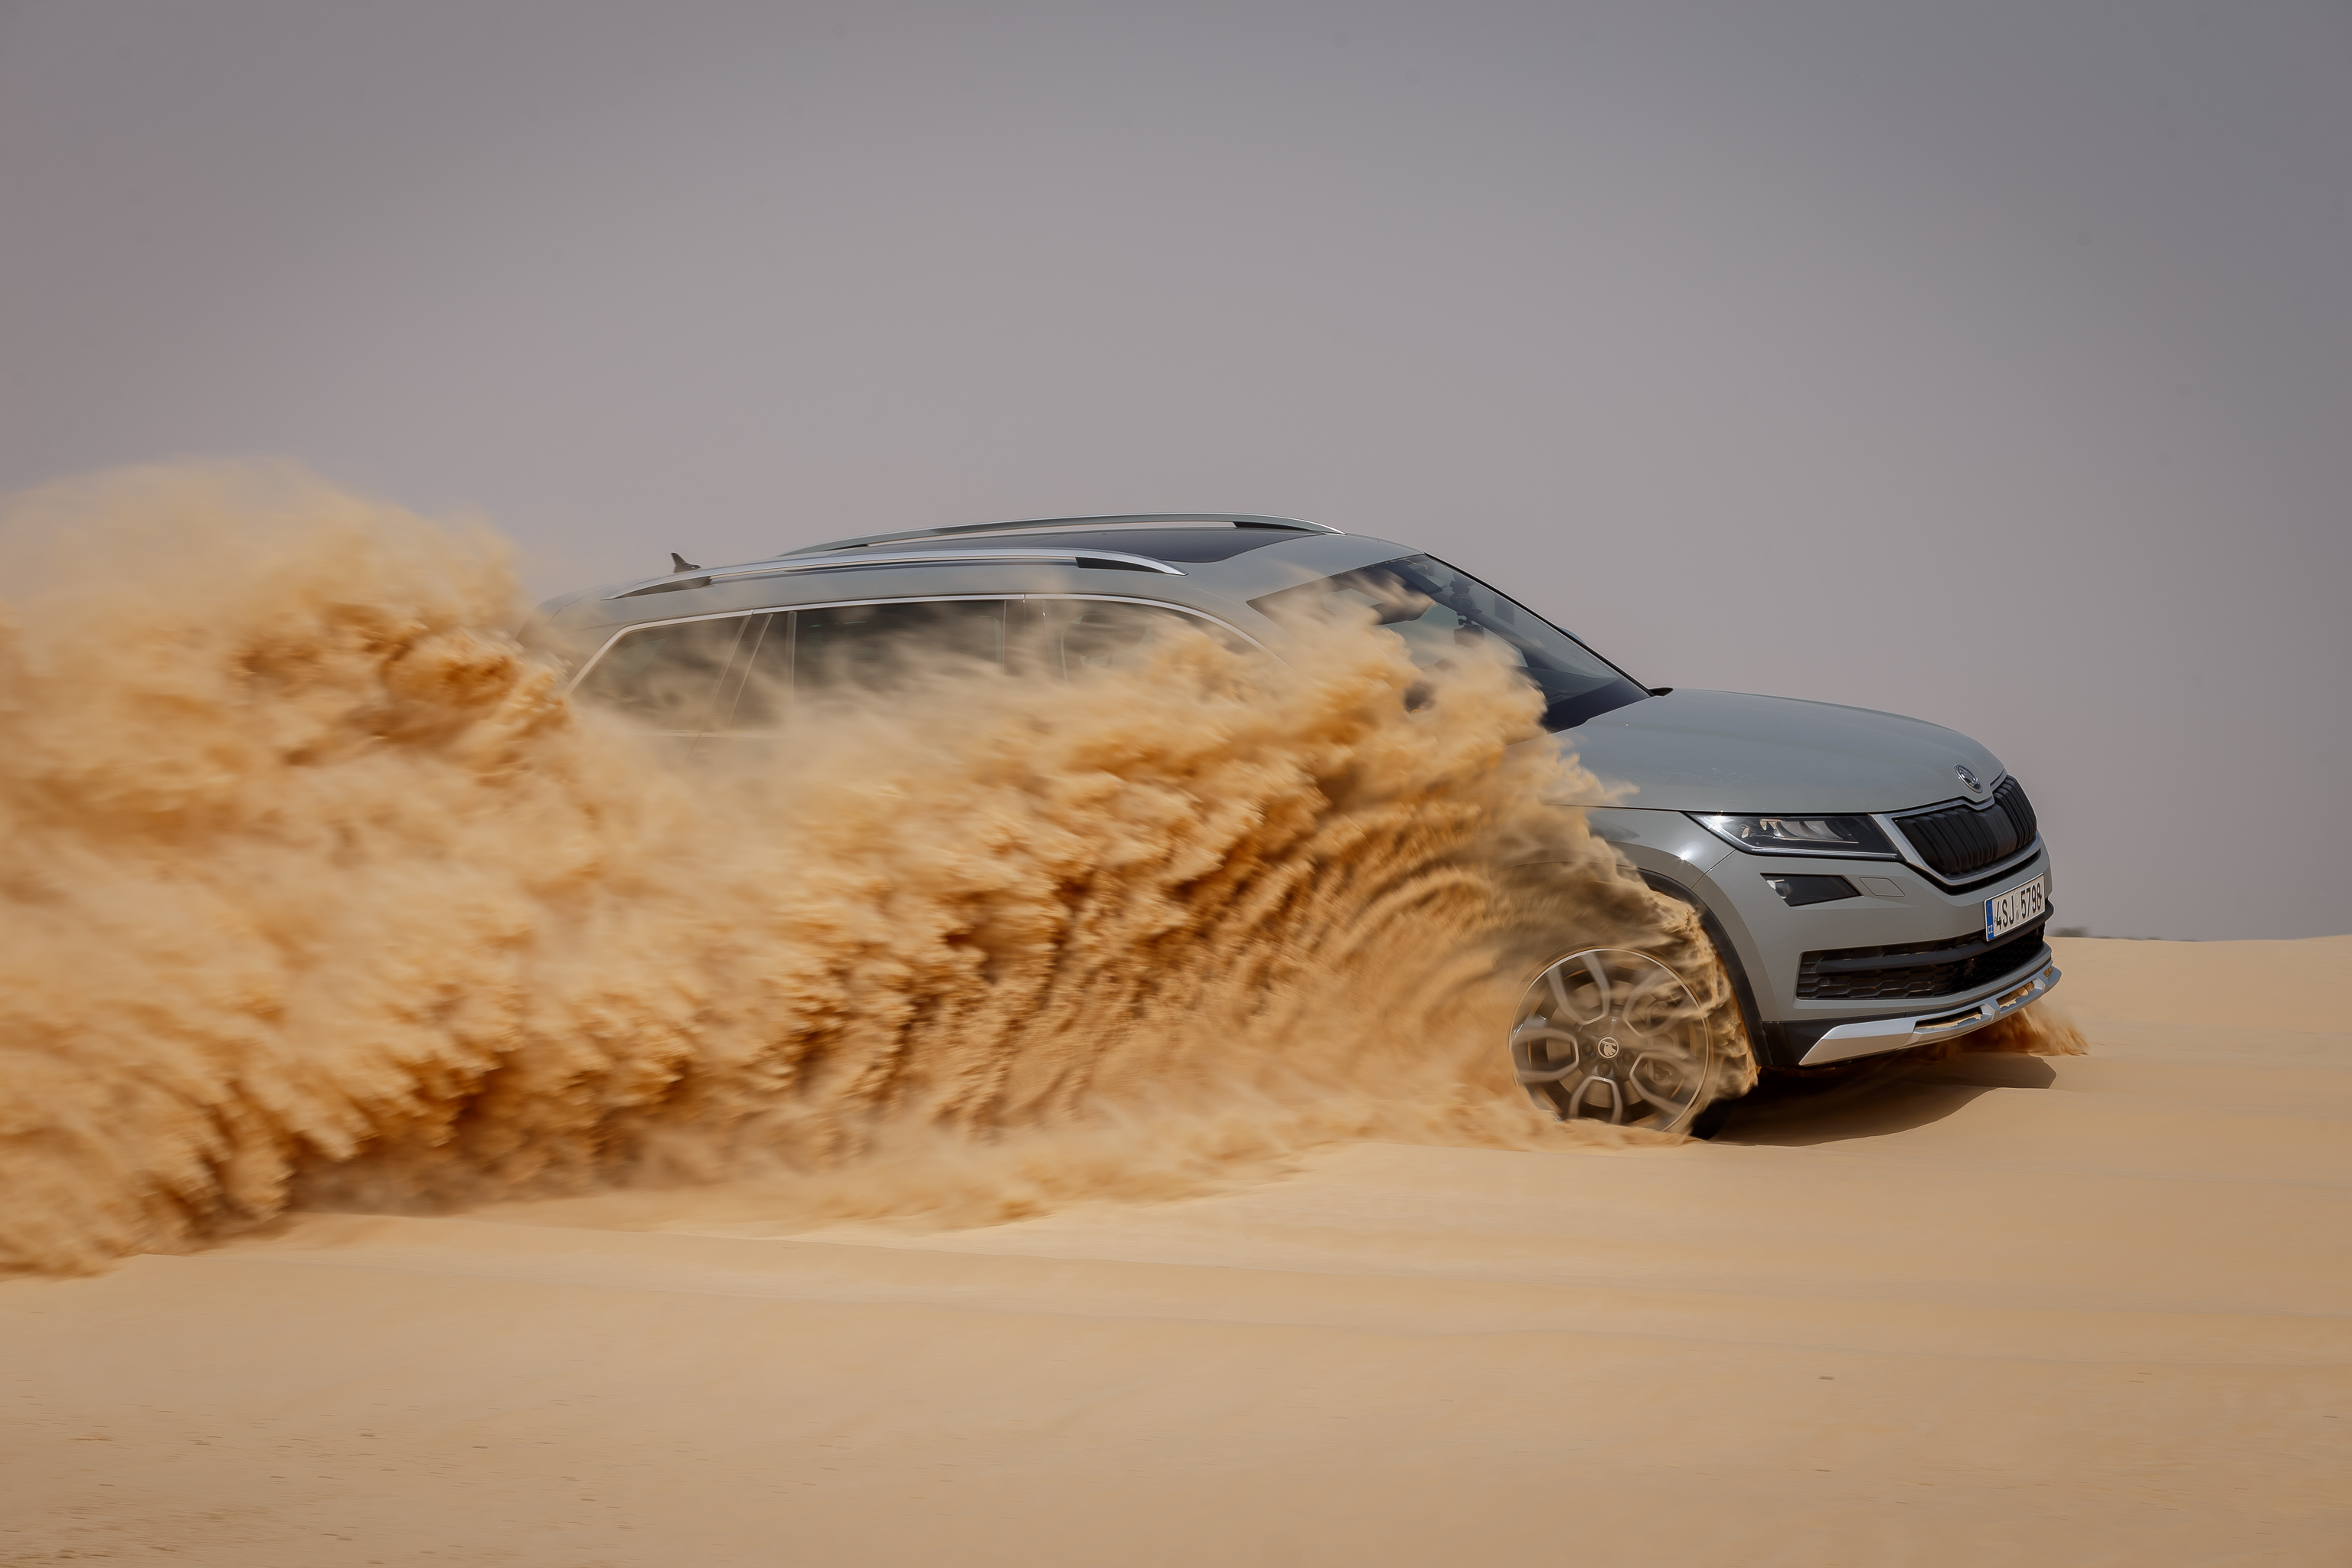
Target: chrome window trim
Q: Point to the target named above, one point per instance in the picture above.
(605, 646)
(1155, 604)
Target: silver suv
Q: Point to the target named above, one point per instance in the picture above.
(1870, 882)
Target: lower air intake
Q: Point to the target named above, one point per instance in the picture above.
(1916, 971)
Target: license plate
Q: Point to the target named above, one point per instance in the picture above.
(2017, 906)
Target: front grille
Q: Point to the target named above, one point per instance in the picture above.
(1958, 840)
(1898, 973)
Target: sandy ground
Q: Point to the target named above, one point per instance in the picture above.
(1998, 1311)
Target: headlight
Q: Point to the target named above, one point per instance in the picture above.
(1800, 834)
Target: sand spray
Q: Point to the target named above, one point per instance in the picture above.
(315, 890)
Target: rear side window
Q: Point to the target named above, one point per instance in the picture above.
(666, 677)
(845, 649)
(753, 698)
(742, 675)
(1081, 635)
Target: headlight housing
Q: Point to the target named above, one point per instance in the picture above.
(1853, 835)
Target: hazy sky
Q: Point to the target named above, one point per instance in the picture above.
(1989, 361)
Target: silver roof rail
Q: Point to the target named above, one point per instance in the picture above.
(1238, 519)
(1117, 560)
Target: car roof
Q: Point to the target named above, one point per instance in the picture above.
(1210, 562)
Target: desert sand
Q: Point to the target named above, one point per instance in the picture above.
(1997, 1310)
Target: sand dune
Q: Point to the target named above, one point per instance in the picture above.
(2003, 1309)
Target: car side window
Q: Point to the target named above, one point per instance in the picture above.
(847, 649)
(1082, 635)
(739, 675)
(759, 690)
(666, 675)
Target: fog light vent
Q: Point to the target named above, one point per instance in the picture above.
(1800, 890)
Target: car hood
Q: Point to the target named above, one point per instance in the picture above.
(1730, 751)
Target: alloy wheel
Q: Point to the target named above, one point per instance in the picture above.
(1614, 1036)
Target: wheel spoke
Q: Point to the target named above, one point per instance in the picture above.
(1672, 1107)
(1600, 972)
(1642, 987)
(1560, 991)
(1525, 1058)
(1583, 1095)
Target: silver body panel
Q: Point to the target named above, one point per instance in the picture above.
(1731, 752)
(1659, 759)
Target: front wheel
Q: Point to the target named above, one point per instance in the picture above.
(1614, 1036)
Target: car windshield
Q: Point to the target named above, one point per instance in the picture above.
(1437, 611)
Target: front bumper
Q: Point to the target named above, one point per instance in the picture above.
(1769, 941)
(1873, 1037)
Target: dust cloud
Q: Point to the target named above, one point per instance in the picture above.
(2040, 1030)
(314, 889)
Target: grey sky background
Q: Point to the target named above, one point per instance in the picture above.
(1988, 361)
